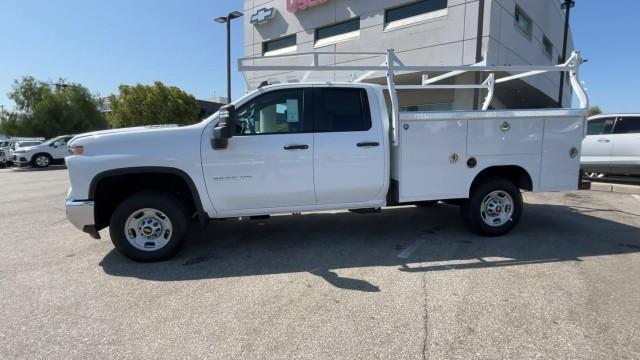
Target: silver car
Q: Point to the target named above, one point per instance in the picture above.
(612, 145)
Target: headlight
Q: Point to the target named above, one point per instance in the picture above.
(76, 150)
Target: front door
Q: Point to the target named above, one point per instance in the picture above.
(349, 159)
(268, 164)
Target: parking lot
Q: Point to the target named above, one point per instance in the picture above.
(409, 283)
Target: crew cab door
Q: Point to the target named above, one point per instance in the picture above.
(269, 162)
(349, 157)
(597, 147)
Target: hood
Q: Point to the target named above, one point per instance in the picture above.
(123, 130)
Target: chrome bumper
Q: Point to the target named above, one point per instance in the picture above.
(80, 214)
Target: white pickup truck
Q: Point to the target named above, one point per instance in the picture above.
(300, 147)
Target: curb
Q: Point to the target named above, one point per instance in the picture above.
(617, 188)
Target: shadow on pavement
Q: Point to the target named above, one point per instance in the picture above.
(30, 168)
(321, 243)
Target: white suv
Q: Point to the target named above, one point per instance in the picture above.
(49, 152)
(612, 145)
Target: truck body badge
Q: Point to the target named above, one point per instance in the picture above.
(453, 158)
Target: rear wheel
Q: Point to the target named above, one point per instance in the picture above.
(41, 160)
(494, 208)
(149, 227)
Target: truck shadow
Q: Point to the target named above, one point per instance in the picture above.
(320, 243)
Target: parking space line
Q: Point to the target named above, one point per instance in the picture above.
(406, 253)
(636, 196)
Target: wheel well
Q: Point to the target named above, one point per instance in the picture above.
(40, 153)
(517, 175)
(109, 189)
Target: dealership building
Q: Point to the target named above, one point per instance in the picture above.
(425, 32)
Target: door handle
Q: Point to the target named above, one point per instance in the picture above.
(604, 140)
(368, 144)
(296, 147)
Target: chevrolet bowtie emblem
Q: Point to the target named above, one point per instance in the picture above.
(263, 16)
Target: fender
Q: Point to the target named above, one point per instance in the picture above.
(203, 217)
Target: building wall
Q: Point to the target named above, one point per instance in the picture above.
(447, 40)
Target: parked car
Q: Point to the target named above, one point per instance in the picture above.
(612, 145)
(49, 152)
(7, 147)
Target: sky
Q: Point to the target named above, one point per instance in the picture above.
(102, 44)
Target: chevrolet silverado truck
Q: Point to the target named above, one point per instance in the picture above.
(301, 147)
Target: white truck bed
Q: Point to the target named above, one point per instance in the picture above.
(431, 161)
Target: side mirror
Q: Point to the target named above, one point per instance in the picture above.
(226, 127)
(56, 144)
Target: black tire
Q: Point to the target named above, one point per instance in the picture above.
(472, 214)
(169, 205)
(41, 164)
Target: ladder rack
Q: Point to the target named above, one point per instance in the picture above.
(393, 64)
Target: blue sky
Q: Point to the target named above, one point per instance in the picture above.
(102, 44)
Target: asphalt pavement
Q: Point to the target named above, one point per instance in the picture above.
(408, 283)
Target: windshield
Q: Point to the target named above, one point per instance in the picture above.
(51, 141)
(27, 143)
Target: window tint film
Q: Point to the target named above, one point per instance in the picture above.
(342, 110)
(523, 22)
(338, 29)
(278, 44)
(600, 126)
(278, 112)
(627, 125)
(415, 9)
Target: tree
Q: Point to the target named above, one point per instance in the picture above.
(152, 105)
(49, 112)
(594, 110)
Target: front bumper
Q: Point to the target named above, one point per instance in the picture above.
(80, 214)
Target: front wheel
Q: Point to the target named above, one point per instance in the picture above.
(149, 227)
(494, 208)
(41, 161)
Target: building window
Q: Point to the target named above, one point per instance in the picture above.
(414, 13)
(523, 22)
(548, 46)
(338, 32)
(279, 46)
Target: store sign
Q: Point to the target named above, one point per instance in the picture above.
(294, 6)
(263, 16)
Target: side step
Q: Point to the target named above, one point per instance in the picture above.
(366, 211)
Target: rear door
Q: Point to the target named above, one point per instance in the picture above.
(349, 157)
(597, 147)
(626, 145)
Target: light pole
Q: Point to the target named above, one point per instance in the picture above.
(227, 19)
(566, 5)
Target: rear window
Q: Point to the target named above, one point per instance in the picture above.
(602, 126)
(341, 110)
(627, 125)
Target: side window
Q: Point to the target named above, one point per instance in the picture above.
(340, 110)
(627, 125)
(602, 126)
(277, 112)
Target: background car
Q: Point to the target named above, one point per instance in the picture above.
(49, 152)
(612, 145)
(7, 148)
